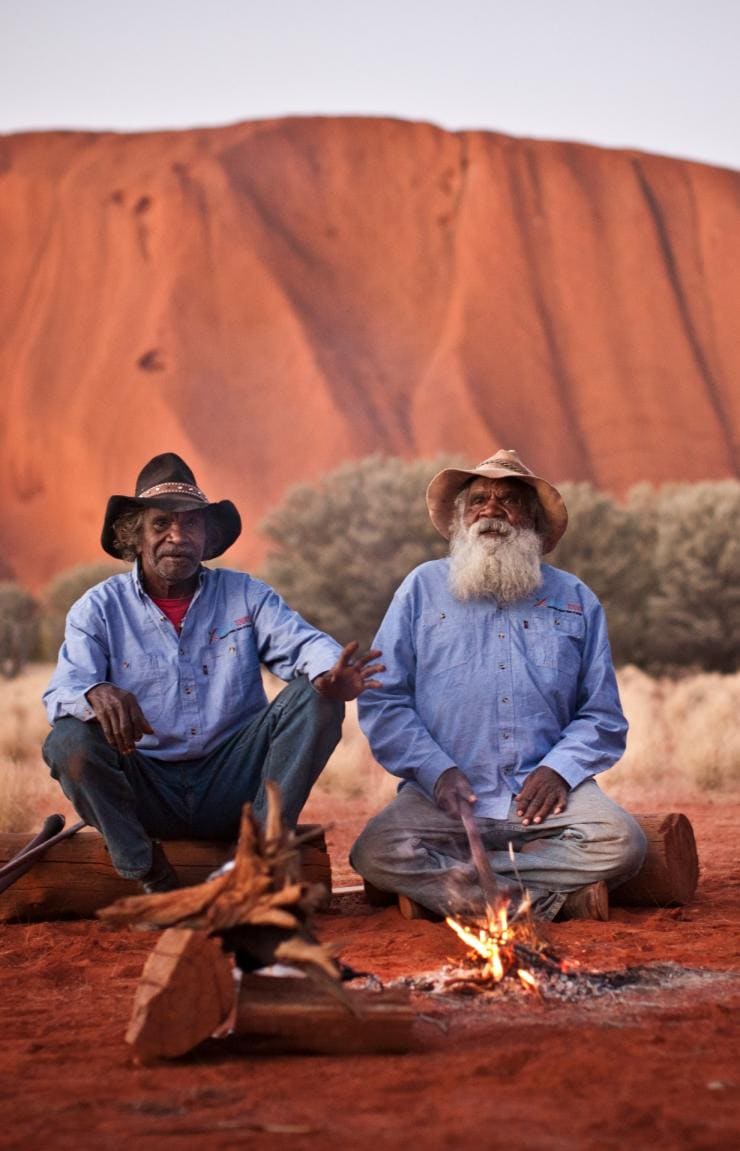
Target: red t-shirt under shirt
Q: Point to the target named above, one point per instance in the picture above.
(174, 609)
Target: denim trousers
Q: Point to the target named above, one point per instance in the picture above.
(135, 799)
(413, 848)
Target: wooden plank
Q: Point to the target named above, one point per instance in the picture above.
(186, 992)
(293, 1014)
(670, 873)
(76, 876)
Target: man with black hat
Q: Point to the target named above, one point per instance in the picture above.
(500, 696)
(161, 726)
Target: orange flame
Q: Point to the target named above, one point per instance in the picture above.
(495, 943)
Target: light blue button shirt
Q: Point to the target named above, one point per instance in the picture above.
(199, 687)
(495, 691)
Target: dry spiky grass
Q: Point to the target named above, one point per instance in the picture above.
(684, 744)
(27, 792)
(684, 740)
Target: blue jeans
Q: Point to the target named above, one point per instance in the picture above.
(413, 848)
(135, 799)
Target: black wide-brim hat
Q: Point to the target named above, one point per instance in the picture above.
(167, 482)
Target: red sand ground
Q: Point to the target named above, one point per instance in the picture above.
(661, 1069)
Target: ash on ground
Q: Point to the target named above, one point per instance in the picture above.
(463, 983)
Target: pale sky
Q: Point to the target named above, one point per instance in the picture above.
(658, 75)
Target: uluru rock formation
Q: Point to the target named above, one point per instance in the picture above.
(272, 298)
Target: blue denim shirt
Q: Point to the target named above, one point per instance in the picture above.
(199, 687)
(495, 691)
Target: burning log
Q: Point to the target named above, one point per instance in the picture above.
(76, 878)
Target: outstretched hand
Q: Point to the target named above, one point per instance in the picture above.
(118, 713)
(544, 793)
(350, 676)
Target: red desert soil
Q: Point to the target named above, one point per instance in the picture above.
(655, 1068)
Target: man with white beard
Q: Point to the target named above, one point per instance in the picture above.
(500, 694)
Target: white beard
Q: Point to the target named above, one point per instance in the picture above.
(493, 560)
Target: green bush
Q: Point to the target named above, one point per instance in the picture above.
(59, 595)
(665, 563)
(611, 548)
(342, 546)
(694, 605)
(19, 628)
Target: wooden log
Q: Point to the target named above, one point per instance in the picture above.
(292, 1014)
(667, 878)
(186, 992)
(670, 873)
(75, 878)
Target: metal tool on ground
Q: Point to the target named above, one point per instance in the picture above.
(52, 832)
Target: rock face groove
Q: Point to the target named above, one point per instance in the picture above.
(272, 298)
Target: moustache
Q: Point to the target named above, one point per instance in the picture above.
(487, 526)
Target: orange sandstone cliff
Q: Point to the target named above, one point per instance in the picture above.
(272, 298)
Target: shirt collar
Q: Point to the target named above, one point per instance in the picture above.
(139, 586)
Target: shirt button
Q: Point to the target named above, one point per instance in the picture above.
(504, 699)
(193, 731)
(506, 734)
(502, 666)
(188, 690)
(502, 635)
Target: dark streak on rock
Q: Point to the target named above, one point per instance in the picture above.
(523, 214)
(682, 303)
(349, 391)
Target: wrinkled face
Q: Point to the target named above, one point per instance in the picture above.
(504, 500)
(171, 546)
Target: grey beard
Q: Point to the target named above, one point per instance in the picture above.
(502, 564)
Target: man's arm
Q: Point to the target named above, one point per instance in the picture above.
(397, 736)
(593, 740)
(83, 663)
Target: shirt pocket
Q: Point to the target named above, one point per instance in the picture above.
(225, 667)
(143, 675)
(443, 645)
(555, 641)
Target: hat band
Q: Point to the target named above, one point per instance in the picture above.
(505, 465)
(173, 489)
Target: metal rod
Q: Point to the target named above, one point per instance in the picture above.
(23, 862)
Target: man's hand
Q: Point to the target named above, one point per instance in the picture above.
(349, 677)
(452, 790)
(544, 793)
(118, 713)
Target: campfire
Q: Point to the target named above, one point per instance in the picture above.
(505, 947)
(502, 946)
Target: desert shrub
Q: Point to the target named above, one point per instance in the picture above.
(19, 628)
(610, 547)
(694, 604)
(342, 546)
(59, 595)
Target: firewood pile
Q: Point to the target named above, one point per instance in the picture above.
(252, 915)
